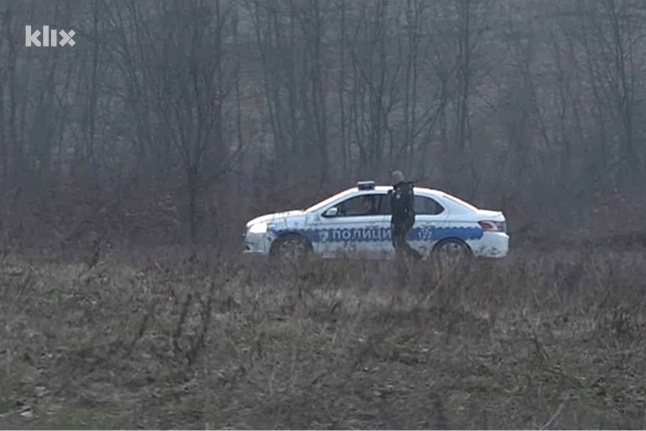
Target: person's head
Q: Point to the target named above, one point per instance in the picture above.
(369, 204)
(397, 177)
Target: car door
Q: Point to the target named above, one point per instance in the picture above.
(430, 216)
(356, 228)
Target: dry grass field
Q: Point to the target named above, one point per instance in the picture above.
(151, 340)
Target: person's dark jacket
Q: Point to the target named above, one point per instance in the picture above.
(401, 204)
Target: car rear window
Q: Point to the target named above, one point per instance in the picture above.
(460, 202)
(427, 206)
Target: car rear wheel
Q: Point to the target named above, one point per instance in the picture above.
(291, 247)
(451, 253)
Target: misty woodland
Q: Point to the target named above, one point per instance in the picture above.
(540, 103)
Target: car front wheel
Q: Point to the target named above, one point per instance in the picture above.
(291, 247)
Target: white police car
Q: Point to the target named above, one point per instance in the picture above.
(356, 222)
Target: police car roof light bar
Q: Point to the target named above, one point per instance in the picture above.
(366, 185)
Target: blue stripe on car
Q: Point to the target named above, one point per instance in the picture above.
(430, 233)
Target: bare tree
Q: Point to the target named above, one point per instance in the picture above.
(609, 33)
(191, 93)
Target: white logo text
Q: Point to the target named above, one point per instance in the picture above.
(50, 37)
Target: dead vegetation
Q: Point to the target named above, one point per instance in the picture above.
(541, 340)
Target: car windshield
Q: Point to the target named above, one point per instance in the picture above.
(328, 201)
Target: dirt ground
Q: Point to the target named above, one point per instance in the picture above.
(549, 339)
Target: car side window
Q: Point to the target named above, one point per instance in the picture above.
(384, 207)
(427, 206)
(363, 205)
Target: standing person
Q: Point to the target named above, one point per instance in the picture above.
(402, 198)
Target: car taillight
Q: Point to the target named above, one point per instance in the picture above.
(493, 226)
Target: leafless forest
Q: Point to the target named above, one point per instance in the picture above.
(193, 115)
(130, 162)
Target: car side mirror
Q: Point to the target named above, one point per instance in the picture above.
(331, 212)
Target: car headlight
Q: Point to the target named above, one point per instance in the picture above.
(258, 228)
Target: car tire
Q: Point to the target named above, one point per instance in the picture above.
(291, 247)
(451, 252)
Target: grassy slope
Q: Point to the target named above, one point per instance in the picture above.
(542, 340)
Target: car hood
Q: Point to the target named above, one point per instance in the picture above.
(275, 217)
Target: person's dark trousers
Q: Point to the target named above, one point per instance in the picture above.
(399, 238)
